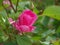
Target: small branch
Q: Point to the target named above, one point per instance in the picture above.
(15, 10)
(17, 5)
(12, 5)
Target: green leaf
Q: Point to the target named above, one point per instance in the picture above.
(36, 38)
(23, 40)
(4, 38)
(45, 20)
(53, 11)
(58, 30)
(35, 10)
(1, 2)
(1, 5)
(24, 5)
(1, 8)
(1, 33)
(10, 43)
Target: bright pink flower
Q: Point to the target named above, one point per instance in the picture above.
(25, 21)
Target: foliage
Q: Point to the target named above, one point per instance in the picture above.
(47, 30)
(52, 12)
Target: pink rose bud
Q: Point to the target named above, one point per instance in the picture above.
(6, 2)
(25, 21)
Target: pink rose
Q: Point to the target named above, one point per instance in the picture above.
(25, 21)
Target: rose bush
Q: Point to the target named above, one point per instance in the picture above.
(29, 22)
